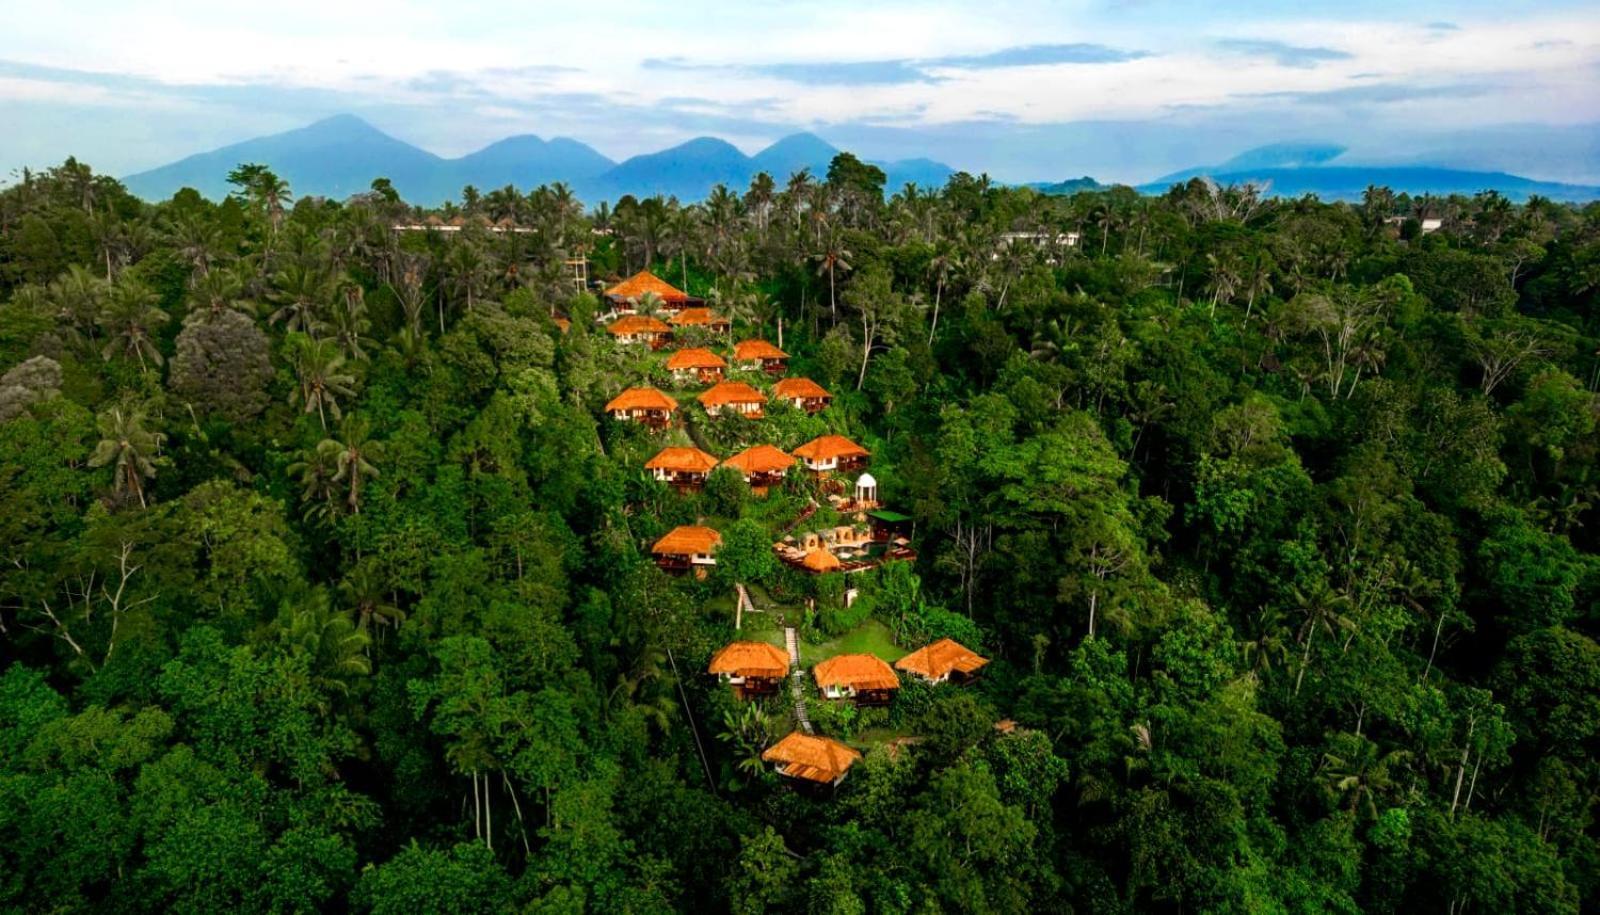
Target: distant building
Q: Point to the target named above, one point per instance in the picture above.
(685, 468)
(944, 660)
(643, 405)
(637, 329)
(626, 295)
(701, 317)
(751, 668)
(696, 364)
(808, 758)
(762, 466)
(734, 397)
(687, 547)
(831, 452)
(803, 393)
(866, 678)
(759, 354)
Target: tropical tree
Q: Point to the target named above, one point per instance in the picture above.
(129, 448)
(129, 316)
(319, 369)
(353, 454)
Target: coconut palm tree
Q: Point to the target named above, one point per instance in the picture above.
(319, 367)
(217, 291)
(77, 296)
(1355, 770)
(833, 258)
(129, 315)
(353, 453)
(945, 262)
(126, 445)
(467, 272)
(315, 471)
(1324, 610)
(335, 650)
(362, 592)
(301, 291)
(349, 320)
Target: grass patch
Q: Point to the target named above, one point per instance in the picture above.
(871, 637)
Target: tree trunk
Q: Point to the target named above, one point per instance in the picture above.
(938, 293)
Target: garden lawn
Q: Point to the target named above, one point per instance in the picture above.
(871, 637)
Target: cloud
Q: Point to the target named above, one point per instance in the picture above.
(1442, 26)
(1034, 55)
(1378, 93)
(1285, 54)
(903, 71)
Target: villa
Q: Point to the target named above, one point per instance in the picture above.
(734, 396)
(640, 329)
(643, 405)
(683, 467)
(701, 317)
(688, 546)
(625, 296)
(696, 364)
(803, 393)
(942, 661)
(762, 466)
(751, 668)
(812, 759)
(759, 354)
(866, 678)
(831, 452)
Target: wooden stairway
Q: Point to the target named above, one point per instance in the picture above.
(797, 686)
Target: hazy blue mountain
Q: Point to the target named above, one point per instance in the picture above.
(686, 171)
(340, 156)
(794, 152)
(1347, 182)
(924, 173)
(529, 161)
(1297, 154)
(1067, 187)
(335, 157)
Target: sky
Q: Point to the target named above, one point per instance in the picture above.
(1021, 89)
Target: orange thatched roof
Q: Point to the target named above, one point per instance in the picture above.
(638, 324)
(726, 392)
(829, 447)
(751, 350)
(862, 671)
(695, 358)
(641, 399)
(760, 459)
(937, 660)
(682, 460)
(687, 539)
(793, 388)
(750, 659)
(821, 560)
(698, 317)
(635, 287)
(817, 759)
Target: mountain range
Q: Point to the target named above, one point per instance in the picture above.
(1296, 169)
(339, 156)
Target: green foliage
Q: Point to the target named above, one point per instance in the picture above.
(1276, 526)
